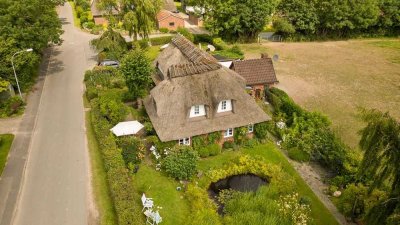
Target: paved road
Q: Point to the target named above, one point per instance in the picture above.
(52, 142)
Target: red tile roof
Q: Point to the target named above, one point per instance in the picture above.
(256, 71)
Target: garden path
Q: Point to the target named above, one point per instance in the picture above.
(314, 175)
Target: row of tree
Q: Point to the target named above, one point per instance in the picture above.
(26, 24)
(337, 18)
(243, 20)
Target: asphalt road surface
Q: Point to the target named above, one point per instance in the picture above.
(54, 184)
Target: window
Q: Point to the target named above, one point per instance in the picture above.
(184, 141)
(228, 132)
(171, 24)
(250, 128)
(224, 106)
(197, 110)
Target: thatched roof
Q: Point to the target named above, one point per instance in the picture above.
(189, 76)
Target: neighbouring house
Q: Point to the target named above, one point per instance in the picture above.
(259, 74)
(169, 20)
(195, 15)
(98, 15)
(195, 95)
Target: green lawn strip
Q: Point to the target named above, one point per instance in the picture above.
(77, 22)
(99, 178)
(162, 189)
(319, 212)
(5, 145)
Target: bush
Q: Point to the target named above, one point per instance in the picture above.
(202, 38)
(261, 130)
(90, 25)
(185, 32)
(214, 137)
(181, 162)
(214, 149)
(251, 143)
(111, 107)
(163, 30)
(298, 155)
(203, 152)
(132, 149)
(11, 106)
(161, 40)
(282, 26)
(219, 44)
(144, 44)
(228, 144)
(79, 11)
(96, 29)
(240, 135)
(199, 142)
(356, 200)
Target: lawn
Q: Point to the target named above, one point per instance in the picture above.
(99, 178)
(337, 77)
(5, 145)
(175, 207)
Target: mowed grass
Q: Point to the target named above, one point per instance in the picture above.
(319, 213)
(5, 145)
(174, 207)
(336, 78)
(101, 191)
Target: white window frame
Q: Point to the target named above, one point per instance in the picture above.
(197, 110)
(250, 128)
(184, 141)
(225, 106)
(228, 133)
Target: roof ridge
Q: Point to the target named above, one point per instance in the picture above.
(190, 51)
(187, 69)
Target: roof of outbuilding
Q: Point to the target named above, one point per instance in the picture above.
(190, 77)
(256, 71)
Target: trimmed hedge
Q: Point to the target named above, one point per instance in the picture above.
(161, 40)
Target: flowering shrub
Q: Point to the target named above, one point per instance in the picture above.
(290, 207)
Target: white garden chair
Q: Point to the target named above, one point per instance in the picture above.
(146, 202)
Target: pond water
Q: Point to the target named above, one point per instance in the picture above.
(243, 183)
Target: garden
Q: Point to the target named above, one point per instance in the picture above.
(178, 178)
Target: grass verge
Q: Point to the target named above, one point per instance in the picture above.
(319, 213)
(5, 145)
(101, 192)
(77, 22)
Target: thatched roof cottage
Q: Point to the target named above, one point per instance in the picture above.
(195, 95)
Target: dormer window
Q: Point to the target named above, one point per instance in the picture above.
(225, 106)
(197, 110)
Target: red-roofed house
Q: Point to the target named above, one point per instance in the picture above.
(259, 73)
(169, 20)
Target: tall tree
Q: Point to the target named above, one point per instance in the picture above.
(110, 44)
(136, 68)
(26, 24)
(380, 141)
(140, 16)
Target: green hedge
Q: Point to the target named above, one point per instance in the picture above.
(106, 106)
(161, 40)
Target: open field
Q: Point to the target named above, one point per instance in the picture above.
(337, 77)
(5, 145)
